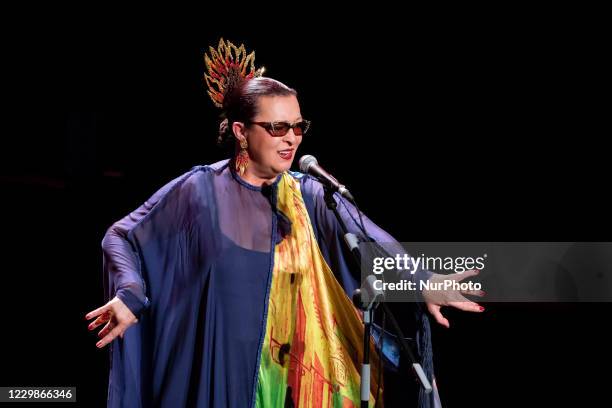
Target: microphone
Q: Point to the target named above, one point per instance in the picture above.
(309, 165)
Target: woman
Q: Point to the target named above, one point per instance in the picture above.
(235, 272)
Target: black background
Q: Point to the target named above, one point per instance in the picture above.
(444, 128)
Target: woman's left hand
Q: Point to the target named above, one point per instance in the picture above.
(436, 299)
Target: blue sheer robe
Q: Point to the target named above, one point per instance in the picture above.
(194, 264)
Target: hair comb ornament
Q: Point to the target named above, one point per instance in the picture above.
(226, 66)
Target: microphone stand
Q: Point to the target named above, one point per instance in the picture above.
(367, 308)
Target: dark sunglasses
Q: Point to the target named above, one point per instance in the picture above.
(279, 129)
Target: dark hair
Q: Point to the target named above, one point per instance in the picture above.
(240, 103)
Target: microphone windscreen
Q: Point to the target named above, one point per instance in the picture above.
(306, 161)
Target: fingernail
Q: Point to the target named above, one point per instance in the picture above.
(98, 344)
(481, 308)
(89, 327)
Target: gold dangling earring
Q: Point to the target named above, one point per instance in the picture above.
(242, 159)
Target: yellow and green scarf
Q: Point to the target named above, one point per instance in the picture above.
(312, 351)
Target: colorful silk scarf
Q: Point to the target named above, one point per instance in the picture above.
(311, 354)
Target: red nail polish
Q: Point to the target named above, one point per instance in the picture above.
(480, 308)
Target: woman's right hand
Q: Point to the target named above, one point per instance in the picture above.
(118, 318)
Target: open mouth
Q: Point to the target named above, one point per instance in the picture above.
(286, 154)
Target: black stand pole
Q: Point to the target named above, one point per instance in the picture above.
(374, 299)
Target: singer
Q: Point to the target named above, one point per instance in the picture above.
(229, 287)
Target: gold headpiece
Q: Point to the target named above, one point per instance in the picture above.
(227, 65)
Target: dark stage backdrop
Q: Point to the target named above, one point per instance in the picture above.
(458, 134)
